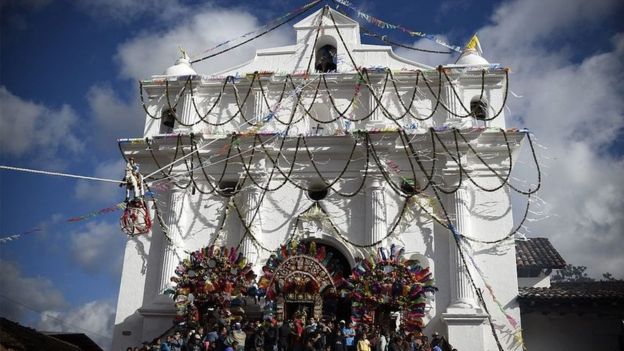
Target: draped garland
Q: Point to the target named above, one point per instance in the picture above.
(319, 85)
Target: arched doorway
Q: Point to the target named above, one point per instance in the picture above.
(305, 279)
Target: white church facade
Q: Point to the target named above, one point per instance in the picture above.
(339, 143)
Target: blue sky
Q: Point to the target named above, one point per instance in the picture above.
(68, 73)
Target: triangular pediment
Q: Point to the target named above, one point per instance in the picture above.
(312, 20)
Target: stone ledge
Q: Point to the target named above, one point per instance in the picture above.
(464, 316)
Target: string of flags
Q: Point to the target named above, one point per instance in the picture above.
(385, 25)
(17, 236)
(114, 208)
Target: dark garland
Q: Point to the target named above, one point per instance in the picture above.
(363, 78)
(370, 151)
(344, 237)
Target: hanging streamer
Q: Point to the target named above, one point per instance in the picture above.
(385, 25)
(110, 209)
(17, 236)
(114, 208)
(513, 322)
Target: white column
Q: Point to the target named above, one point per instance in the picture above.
(186, 112)
(260, 107)
(377, 118)
(450, 101)
(375, 208)
(463, 317)
(462, 292)
(248, 204)
(172, 253)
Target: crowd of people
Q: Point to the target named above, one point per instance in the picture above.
(296, 335)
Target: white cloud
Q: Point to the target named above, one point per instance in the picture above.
(31, 129)
(28, 295)
(112, 116)
(95, 318)
(151, 53)
(102, 192)
(24, 295)
(576, 110)
(127, 10)
(430, 59)
(521, 24)
(98, 247)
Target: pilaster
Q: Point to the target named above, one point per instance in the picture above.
(462, 294)
(375, 208)
(377, 118)
(249, 204)
(260, 106)
(187, 113)
(173, 250)
(450, 100)
(463, 317)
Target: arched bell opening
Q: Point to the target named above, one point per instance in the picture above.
(479, 110)
(326, 54)
(167, 121)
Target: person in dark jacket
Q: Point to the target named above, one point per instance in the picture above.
(284, 335)
(271, 333)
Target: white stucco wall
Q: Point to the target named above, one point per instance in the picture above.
(541, 281)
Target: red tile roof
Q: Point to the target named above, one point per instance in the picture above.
(537, 254)
(600, 290)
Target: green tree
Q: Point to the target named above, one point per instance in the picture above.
(608, 277)
(572, 273)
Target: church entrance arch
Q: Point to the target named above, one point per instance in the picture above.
(304, 280)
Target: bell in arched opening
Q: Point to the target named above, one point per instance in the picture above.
(325, 59)
(478, 108)
(167, 121)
